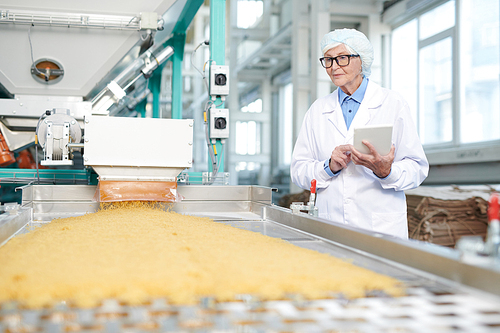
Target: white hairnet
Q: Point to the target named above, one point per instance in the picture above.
(354, 40)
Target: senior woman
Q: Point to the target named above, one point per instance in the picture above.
(360, 190)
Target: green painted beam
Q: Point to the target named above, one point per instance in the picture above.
(218, 54)
(177, 42)
(187, 15)
(218, 31)
(155, 88)
(141, 107)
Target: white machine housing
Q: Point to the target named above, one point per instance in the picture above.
(138, 149)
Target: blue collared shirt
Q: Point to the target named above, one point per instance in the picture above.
(350, 106)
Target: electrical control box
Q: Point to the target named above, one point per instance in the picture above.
(149, 20)
(219, 123)
(219, 80)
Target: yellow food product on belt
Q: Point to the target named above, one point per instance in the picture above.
(135, 252)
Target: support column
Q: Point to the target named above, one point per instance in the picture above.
(320, 25)
(300, 73)
(265, 168)
(200, 144)
(234, 96)
(376, 30)
(141, 107)
(177, 43)
(218, 55)
(155, 88)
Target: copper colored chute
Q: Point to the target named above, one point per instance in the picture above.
(6, 156)
(112, 191)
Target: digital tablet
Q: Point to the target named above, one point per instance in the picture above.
(380, 136)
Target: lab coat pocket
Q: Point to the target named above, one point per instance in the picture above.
(395, 224)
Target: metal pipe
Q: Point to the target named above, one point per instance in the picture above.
(157, 60)
(147, 70)
(133, 81)
(75, 145)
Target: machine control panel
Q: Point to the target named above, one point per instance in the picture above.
(219, 80)
(219, 123)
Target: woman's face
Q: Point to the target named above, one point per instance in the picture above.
(347, 78)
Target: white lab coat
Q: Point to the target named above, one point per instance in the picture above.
(357, 197)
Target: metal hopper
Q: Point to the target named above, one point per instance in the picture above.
(137, 158)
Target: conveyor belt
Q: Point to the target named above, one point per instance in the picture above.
(432, 303)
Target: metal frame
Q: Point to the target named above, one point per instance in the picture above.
(177, 41)
(439, 261)
(442, 292)
(54, 176)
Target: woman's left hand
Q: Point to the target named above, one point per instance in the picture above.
(380, 165)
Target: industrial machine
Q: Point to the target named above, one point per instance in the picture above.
(131, 165)
(444, 292)
(66, 63)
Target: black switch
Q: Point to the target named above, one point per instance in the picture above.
(220, 79)
(220, 123)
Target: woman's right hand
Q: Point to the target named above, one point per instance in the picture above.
(341, 156)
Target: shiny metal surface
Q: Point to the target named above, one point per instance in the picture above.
(12, 222)
(440, 261)
(443, 293)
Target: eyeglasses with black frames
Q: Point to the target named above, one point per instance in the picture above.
(341, 60)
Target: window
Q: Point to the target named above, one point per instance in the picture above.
(286, 123)
(479, 71)
(248, 132)
(435, 105)
(437, 20)
(249, 11)
(254, 107)
(404, 63)
(248, 15)
(247, 137)
(248, 166)
(459, 37)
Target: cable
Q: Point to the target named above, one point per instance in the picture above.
(218, 162)
(32, 60)
(206, 42)
(211, 147)
(143, 38)
(133, 18)
(192, 56)
(36, 162)
(161, 24)
(222, 102)
(46, 113)
(210, 150)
